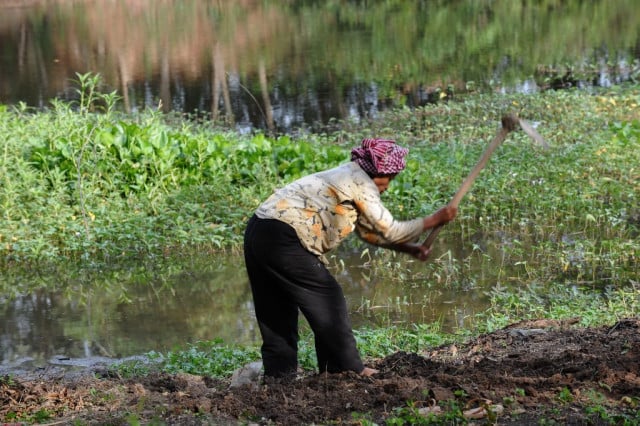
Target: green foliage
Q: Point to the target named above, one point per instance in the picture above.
(135, 368)
(362, 419)
(212, 358)
(409, 415)
(78, 183)
(559, 301)
(565, 396)
(627, 133)
(452, 414)
(114, 185)
(380, 342)
(39, 417)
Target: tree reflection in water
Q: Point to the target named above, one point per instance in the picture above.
(280, 66)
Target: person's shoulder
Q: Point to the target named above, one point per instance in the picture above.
(353, 179)
(352, 168)
(341, 169)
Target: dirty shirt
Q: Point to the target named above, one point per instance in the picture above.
(325, 207)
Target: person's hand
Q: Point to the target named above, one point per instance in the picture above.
(446, 214)
(442, 216)
(418, 251)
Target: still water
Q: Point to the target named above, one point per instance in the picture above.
(285, 65)
(130, 308)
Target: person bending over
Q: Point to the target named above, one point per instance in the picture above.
(285, 243)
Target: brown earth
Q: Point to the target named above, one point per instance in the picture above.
(528, 372)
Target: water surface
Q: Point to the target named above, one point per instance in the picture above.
(131, 308)
(281, 66)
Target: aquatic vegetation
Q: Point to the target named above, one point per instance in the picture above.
(82, 182)
(77, 183)
(214, 358)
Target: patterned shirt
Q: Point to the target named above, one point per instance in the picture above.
(325, 207)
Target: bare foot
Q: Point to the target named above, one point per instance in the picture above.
(368, 372)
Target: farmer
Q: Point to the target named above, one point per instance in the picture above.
(288, 236)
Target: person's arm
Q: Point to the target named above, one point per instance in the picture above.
(376, 225)
(442, 216)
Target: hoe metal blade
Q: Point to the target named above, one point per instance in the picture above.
(529, 130)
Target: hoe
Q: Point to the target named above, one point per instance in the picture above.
(510, 122)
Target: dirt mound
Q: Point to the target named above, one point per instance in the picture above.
(530, 370)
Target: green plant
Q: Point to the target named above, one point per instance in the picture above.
(565, 395)
(380, 342)
(213, 358)
(42, 415)
(135, 368)
(412, 414)
(7, 380)
(409, 415)
(362, 419)
(10, 416)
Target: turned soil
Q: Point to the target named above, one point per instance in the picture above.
(528, 372)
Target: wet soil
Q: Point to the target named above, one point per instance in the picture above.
(527, 373)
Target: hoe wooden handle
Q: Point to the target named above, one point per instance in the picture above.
(509, 123)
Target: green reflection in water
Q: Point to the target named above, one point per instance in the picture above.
(312, 53)
(83, 310)
(125, 309)
(130, 308)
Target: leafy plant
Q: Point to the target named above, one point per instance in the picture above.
(213, 358)
(565, 395)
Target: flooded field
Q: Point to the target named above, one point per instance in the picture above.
(128, 309)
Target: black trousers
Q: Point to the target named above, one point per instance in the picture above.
(285, 278)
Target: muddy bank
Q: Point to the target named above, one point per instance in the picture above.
(518, 375)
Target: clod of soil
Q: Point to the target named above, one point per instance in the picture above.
(518, 375)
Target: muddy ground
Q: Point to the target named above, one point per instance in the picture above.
(527, 373)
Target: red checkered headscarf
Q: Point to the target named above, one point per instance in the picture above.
(380, 157)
